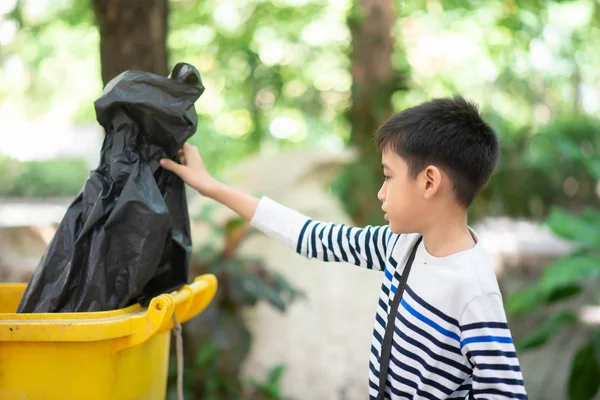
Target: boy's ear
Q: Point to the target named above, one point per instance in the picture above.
(432, 177)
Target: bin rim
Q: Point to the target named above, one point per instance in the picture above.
(129, 326)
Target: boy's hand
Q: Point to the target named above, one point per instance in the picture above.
(194, 173)
(192, 170)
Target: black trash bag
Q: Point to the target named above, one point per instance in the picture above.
(126, 237)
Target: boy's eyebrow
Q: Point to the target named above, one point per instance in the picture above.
(384, 166)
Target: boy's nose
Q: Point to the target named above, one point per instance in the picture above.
(381, 194)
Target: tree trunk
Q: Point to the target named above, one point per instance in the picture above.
(374, 82)
(133, 35)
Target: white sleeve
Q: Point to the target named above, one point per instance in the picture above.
(487, 344)
(364, 247)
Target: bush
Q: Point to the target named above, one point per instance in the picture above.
(56, 178)
(565, 279)
(557, 165)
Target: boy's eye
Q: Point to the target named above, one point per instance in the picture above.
(385, 177)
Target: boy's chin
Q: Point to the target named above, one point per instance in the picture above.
(395, 227)
(399, 229)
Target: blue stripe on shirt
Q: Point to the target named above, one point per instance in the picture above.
(418, 331)
(485, 339)
(388, 274)
(430, 308)
(429, 322)
(427, 335)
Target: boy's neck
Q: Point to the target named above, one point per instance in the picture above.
(448, 236)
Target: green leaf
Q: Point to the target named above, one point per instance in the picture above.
(546, 330)
(260, 387)
(596, 341)
(276, 374)
(205, 354)
(271, 389)
(563, 292)
(580, 229)
(242, 287)
(537, 295)
(525, 300)
(570, 270)
(584, 380)
(594, 167)
(285, 286)
(269, 294)
(568, 148)
(591, 215)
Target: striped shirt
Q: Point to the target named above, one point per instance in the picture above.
(451, 339)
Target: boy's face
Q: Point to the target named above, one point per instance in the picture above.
(401, 197)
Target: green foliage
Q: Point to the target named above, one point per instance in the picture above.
(556, 165)
(276, 72)
(51, 65)
(41, 178)
(271, 389)
(583, 230)
(563, 280)
(271, 80)
(546, 330)
(584, 381)
(221, 341)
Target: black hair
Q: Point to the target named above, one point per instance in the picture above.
(449, 133)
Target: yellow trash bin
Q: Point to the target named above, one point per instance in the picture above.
(113, 355)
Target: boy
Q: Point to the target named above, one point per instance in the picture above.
(448, 338)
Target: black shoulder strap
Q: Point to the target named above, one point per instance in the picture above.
(386, 346)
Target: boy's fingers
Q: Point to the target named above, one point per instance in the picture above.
(189, 149)
(171, 166)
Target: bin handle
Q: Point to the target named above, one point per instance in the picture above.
(185, 303)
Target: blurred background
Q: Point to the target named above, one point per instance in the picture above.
(294, 91)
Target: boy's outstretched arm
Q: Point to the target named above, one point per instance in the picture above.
(366, 247)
